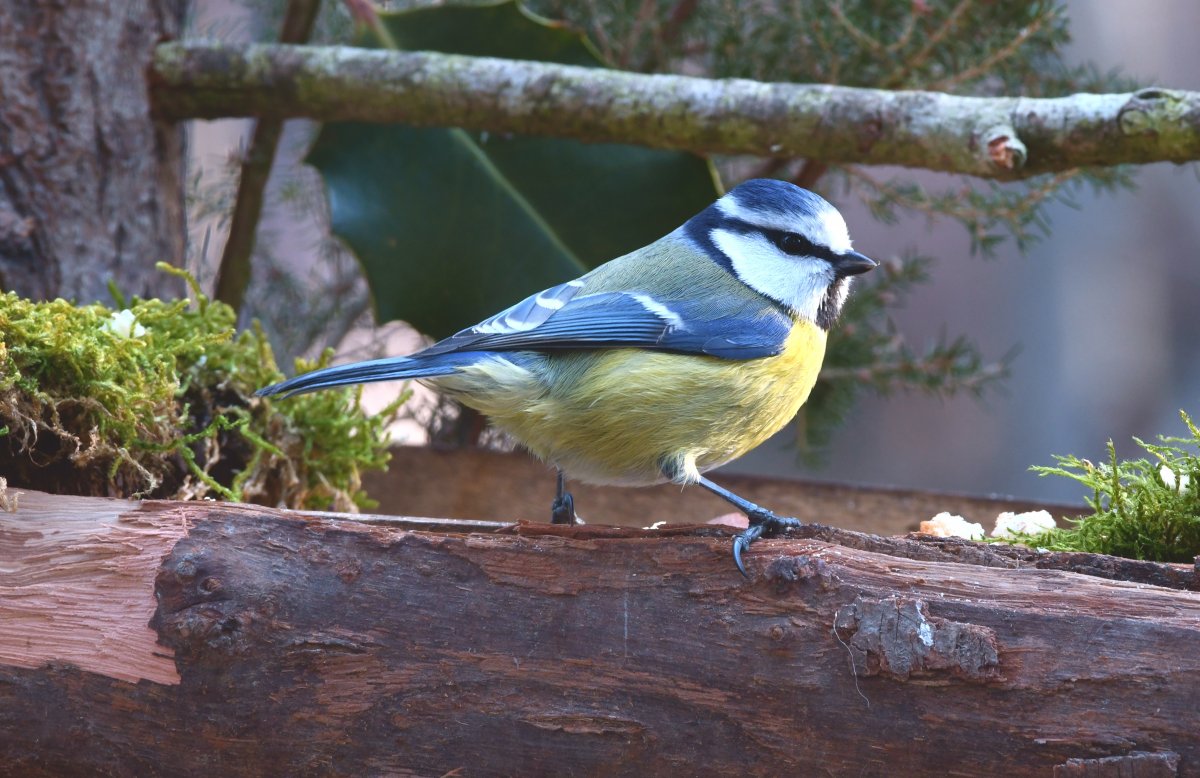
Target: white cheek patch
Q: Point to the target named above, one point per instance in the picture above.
(798, 283)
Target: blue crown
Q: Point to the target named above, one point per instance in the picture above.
(780, 198)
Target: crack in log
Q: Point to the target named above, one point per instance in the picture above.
(582, 724)
(1138, 764)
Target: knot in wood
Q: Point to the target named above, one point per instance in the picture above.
(800, 569)
(896, 637)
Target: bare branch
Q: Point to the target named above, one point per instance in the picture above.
(233, 274)
(1006, 138)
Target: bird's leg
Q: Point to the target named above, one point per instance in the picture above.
(762, 521)
(562, 510)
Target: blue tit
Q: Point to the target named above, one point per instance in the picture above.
(661, 364)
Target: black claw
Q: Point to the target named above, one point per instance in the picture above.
(762, 521)
(562, 511)
(741, 542)
(762, 524)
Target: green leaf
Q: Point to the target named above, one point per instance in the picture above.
(452, 226)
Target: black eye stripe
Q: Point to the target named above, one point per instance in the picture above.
(791, 243)
(798, 245)
(701, 228)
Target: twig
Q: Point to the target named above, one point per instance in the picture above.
(233, 274)
(988, 63)
(853, 29)
(897, 76)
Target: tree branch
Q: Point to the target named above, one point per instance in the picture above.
(233, 274)
(1006, 138)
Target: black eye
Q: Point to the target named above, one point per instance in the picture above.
(791, 243)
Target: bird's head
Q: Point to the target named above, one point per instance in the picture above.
(783, 242)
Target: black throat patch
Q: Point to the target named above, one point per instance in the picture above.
(830, 308)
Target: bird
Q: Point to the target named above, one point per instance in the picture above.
(661, 364)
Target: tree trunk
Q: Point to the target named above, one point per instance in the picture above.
(282, 644)
(91, 186)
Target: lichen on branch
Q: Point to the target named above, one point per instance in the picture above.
(990, 137)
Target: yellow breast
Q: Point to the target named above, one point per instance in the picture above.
(622, 415)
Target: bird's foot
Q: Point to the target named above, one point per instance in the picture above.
(761, 524)
(562, 510)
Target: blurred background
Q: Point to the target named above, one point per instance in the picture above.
(1104, 312)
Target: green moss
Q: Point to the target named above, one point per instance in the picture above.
(157, 400)
(1142, 509)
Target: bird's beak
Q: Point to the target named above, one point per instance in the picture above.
(852, 263)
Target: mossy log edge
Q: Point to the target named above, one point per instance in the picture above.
(187, 638)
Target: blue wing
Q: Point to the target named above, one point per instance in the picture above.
(561, 318)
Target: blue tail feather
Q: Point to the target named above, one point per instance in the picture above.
(388, 369)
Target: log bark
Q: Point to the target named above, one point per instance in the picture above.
(91, 186)
(315, 644)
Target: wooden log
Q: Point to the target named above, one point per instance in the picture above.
(316, 644)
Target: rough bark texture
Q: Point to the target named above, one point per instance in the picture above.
(91, 186)
(317, 645)
(1002, 138)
